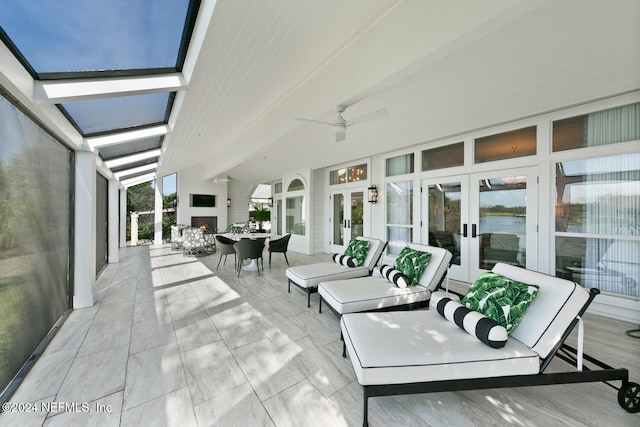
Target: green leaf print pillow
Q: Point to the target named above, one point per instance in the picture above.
(500, 298)
(412, 263)
(358, 249)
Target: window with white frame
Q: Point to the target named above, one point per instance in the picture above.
(399, 165)
(399, 219)
(295, 211)
(597, 239)
(354, 173)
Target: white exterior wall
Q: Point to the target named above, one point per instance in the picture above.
(190, 181)
(544, 162)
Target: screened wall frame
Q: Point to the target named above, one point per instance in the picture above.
(46, 279)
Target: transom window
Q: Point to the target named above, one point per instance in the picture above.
(506, 145)
(605, 127)
(348, 174)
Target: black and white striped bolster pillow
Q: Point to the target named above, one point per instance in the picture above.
(346, 260)
(394, 276)
(477, 324)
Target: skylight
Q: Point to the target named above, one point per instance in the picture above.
(58, 39)
(101, 55)
(123, 112)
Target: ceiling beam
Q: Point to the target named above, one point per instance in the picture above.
(128, 136)
(60, 91)
(144, 155)
(138, 180)
(136, 170)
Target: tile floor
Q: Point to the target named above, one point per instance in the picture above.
(173, 342)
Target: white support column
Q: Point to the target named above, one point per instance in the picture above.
(114, 226)
(157, 215)
(134, 229)
(123, 217)
(84, 274)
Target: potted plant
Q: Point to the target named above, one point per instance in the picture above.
(260, 213)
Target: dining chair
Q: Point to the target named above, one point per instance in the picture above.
(226, 248)
(279, 246)
(249, 249)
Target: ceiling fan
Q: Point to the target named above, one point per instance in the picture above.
(340, 125)
(217, 180)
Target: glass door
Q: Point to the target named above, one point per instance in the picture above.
(482, 219)
(503, 219)
(347, 218)
(445, 201)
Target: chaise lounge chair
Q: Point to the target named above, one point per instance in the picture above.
(377, 293)
(421, 351)
(308, 277)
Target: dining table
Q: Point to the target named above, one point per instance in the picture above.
(253, 265)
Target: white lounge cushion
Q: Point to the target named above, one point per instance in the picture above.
(311, 275)
(415, 346)
(375, 292)
(369, 293)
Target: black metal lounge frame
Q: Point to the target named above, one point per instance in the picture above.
(628, 393)
(309, 291)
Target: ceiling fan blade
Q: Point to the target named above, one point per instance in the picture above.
(341, 136)
(368, 117)
(318, 122)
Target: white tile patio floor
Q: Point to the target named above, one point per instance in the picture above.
(173, 342)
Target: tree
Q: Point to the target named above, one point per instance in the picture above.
(140, 198)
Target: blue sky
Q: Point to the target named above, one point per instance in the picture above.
(81, 35)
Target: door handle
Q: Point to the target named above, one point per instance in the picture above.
(474, 233)
(464, 230)
(348, 223)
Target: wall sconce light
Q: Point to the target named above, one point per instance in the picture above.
(270, 201)
(373, 194)
(228, 202)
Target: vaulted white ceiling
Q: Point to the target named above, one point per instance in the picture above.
(438, 67)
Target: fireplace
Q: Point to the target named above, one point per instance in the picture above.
(209, 223)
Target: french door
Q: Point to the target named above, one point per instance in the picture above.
(483, 219)
(347, 217)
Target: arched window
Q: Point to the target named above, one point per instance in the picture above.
(296, 185)
(295, 214)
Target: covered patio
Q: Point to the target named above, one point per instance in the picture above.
(519, 119)
(172, 341)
